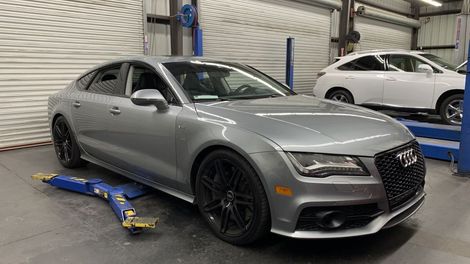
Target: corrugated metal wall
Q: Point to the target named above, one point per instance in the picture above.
(255, 32)
(377, 34)
(45, 44)
(158, 35)
(403, 6)
(334, 29)
(439, 30)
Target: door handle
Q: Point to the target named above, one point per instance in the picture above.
(115, 110)
(350, 77)
(76, 104)
(390, 78)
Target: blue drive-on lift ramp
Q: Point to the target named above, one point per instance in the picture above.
(116, 196)
(436, 141)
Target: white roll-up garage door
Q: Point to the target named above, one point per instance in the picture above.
(376, 34)
(255, 32)
(45, 44)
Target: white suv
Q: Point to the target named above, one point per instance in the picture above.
(395, 79)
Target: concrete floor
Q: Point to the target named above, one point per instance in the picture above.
(41, 224)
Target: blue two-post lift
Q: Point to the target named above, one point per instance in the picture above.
(464, 155)
(117, 197)
(447, 142)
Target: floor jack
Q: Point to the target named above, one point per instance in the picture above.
(116, 196)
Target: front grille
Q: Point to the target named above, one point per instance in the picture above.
(401, 183)
(356, 216)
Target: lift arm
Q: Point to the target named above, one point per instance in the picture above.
(116, 196)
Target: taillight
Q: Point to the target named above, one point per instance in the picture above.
(320, 74)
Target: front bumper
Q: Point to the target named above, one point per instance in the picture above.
(333, 191)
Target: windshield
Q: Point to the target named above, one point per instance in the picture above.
(439, 61)
(212, 80)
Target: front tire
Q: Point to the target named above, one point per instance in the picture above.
(452, 110)
(66, 148)
(231, 198)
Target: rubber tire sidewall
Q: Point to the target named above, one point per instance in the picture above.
(442, 110)
(343, 92)
(262, 222)
(75, 161)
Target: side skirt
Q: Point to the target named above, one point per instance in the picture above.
(400, 109)
(184, 196)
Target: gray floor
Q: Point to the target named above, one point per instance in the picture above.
(41, 224)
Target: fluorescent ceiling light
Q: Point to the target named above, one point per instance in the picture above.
(432, 2)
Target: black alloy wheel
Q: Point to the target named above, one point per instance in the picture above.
(231, 198)
(65, 145)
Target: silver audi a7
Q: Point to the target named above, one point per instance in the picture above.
(253, 155)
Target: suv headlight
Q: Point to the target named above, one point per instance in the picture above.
(323, 165)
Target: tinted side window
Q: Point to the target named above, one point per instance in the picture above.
(366, 63)
(143, 78)
(405, 63)
(83, 82)
(400, 63)
(105, 80)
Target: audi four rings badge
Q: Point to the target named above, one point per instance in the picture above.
(407, 158)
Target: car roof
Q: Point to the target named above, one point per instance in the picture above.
(152, 60)
(385, 51)
(159, 59)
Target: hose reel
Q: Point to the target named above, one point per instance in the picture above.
(187, 16)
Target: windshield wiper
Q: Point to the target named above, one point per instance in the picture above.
(211, 99)
(259, 96)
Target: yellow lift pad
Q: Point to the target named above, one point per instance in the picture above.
(43, 176)
(140, 222)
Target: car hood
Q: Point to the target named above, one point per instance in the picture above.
(303, 123)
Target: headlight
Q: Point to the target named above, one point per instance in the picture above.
(322, 165)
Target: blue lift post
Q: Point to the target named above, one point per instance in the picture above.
(464, 161)
(116, 196)
(290, 63)
(197, 41)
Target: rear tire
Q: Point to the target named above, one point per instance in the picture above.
(231, 198)
(451, 110)
(65, 145)
(341, 95)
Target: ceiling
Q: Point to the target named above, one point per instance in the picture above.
(421, 3)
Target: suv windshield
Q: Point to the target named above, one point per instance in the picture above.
(213, 80)
(439, 61)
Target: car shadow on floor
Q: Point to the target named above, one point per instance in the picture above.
(376, 246)
(182, 221)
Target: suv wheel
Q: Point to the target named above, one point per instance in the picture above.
(231, 198)
(341, 96)
(65, 146)
(452, 109)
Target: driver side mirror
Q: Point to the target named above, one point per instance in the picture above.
(149, 97)
(425, 68)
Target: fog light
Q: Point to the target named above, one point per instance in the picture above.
(331, 219)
